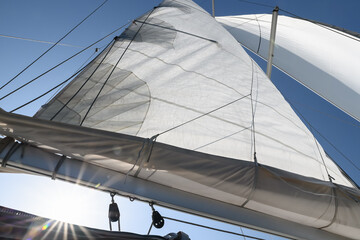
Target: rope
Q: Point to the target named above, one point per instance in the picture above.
(112, 42)
(33, 100)
(176, 30)
(258, 49)
(53, 45)
(328, 141)
(321, 25)
(256, 3)
(40, 41)
(150, 228)
(202, 115)
(327, 171)
(81, 67)
(211, 228)
(115, 67)
(63, 62)
(252, 112)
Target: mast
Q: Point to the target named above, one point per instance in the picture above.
(272, 40)
(213, 8)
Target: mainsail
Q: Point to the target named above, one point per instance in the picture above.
(175, 110)
(312, 53)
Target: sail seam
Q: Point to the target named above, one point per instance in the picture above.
(137, 32)
(253, 146)
(258, 49)
(225, 137)
(176, 30)
(334, 195)
(186, 70)
(112, 44)
(308, 123)
(205, 114)
(190, 6)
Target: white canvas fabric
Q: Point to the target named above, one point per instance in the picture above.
(176, 101)
(320, 57)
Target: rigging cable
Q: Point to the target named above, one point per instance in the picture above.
(321, 25)
(40, 41)
(256, 3)
(253, 145)
(202, 115)
(328, 141)
(53, 45)
(81, 67)
(115, 66)
(211, 228)
(305, 19)
(60, 84)
(63, 61)
(112, 44)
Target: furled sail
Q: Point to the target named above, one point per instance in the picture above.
(175, 104)
(322, 58)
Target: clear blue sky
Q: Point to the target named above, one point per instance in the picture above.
(49, 20)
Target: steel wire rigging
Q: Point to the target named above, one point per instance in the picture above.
(52, 46)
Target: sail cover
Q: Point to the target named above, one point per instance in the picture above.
(322, 58)
(176, 102)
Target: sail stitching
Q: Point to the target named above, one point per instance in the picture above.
(116, 65)
(176, 30)
(236, 124)
(293, 186)
(186, 70)
(336, 209)
(190, 6)
(225, 137)
(205, 114)
(123, 96)
(112, 44)
(308, 123)
(253, 146)
(258, 49)
(253, 141)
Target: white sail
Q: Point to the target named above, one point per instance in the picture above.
(178, 77)
(322, 58)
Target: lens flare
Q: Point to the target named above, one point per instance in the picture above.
(45, 227)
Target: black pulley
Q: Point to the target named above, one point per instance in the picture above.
(114, 213)
(158, 220)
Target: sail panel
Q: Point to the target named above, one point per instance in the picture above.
(177, 74)
(321, 58)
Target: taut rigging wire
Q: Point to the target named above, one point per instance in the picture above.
(113, 69)
(111, 44)
(48, 91)
(63, 62)
(305, 19)
(328, 141)
(202, 115)
(53, 45)
(39, 41)
(211, 228)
